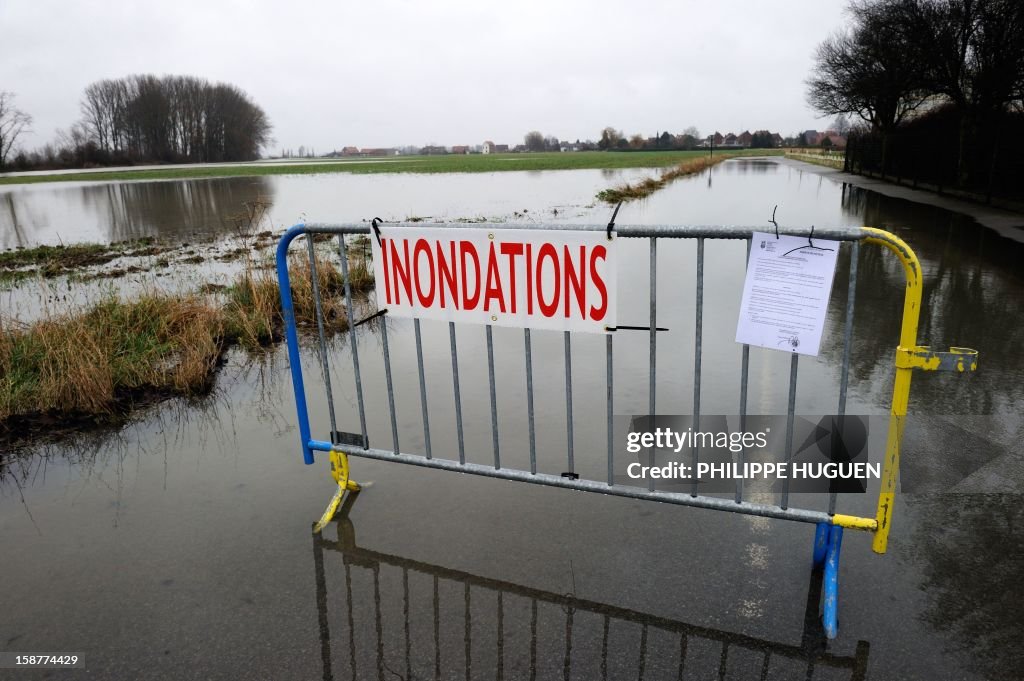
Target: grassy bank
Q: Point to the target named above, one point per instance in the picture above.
(646, 187)
(96, 363)
(472, 163)
(828, 159)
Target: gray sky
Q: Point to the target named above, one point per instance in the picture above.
(396, 72)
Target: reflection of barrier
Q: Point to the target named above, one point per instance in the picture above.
(808, 655)
(829, 531)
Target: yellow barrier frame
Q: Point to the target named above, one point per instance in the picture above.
(909, 356)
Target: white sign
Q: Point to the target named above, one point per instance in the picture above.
(540, 279)
(786, 292)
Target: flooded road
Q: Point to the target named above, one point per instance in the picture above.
(180, 546)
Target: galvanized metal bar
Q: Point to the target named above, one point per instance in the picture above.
(458, 395)
(698, 331)
(653, 345)
(494, 397)
(437, 632)
(568, 399)
(790, 413)
(611, 428)
(529, 401)
(533, 639)
(378, 622)
(629, 492)
(405, 614)
(423, 386)
(351, 619)
(468, 635)
(343, 252)
(643, 653)
(840, 233)
(744, 381)
(844, 375)
(499, 638)
(321, 337)
(391, 390)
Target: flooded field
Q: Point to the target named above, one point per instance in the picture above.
(180, 545)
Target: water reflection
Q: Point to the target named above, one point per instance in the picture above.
(971, 552)
(115, 211)
(431, 621)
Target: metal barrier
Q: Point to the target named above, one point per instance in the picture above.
(829, 524)
(406, 655)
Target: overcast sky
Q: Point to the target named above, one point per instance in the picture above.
(397, 72)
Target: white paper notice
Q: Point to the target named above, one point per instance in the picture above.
(786, 292)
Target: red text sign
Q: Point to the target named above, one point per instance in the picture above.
(539, 279)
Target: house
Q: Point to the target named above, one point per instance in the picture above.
(744, 138)
(463, 149)
(378, 152)
(776, 139)
(488, 147)
(500, 148)
(350, 151)
(433, 150)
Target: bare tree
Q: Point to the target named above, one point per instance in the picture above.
(13, 122)
(534, 141)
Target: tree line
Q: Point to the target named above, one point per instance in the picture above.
(146, 119)
(922, 73)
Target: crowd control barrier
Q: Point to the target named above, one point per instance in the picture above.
(909, 355)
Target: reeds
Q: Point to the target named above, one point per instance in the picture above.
(93, 362)
(89, 362)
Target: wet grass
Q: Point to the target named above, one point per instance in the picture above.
(54, 261)
(90, 361)
(471, 163)
(646, 187)
(97, 362)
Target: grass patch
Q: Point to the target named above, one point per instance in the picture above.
(452, 163)
(89, 362)
(98, 362)
(647, 186)
(54, 261)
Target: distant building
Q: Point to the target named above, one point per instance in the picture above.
(812, 138)
(488, 147)
(500, 148)
(744, 138)
(379, 152)
(432, 150)
(350, 151)
(464, 149)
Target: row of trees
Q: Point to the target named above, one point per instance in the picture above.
(899, 60)
(173, 118)
(145, 118)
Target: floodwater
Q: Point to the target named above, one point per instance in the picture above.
(180, 545)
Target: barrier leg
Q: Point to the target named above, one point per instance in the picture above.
(829, 615)
(821, 533)
(339, 471)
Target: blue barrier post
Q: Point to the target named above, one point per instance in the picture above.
(820, 543)
(829, 615)
(292, 340)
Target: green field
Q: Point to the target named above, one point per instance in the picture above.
(473, 163)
